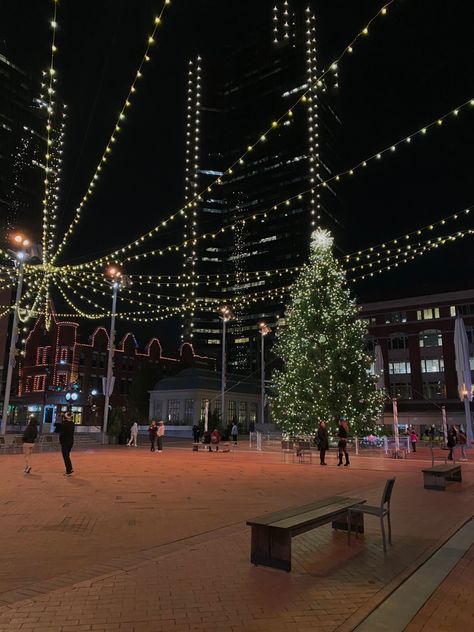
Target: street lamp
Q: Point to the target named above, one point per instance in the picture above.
(225, 314)
(117, 280)
(264, 330)
(21, 244)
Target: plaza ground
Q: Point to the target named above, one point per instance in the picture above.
(144, 542)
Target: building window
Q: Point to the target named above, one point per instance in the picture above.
(368, 321)
(61, 380)
(397, 341)
(42, 356)
(173, 410)
(396, 317)
(63, 355)
(466, 310)
(253, 413)
(39, 382)
(189, 411)
(157, 408)
(398, 368)
(231, 412)
(433, 390)
(242, 413)
(452, 311)
(427, 314)
(401, 390)
(432, 365)
(218, 409)
(431, 338)
(370, 344)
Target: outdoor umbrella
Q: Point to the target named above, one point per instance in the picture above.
(463, 370)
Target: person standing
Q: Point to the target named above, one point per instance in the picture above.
(152, 428)
(343, 433)
(66, 439)
(28, 439)
(234, 433)
(207, 440)
(196, 433)
(215, 439)
(413, 440)
(451, 442)
(462, 439)
(160, 433)
(323, 442)
(133, 435)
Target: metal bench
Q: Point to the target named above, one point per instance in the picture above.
(303, 450)
(436, 477)
(272, 533)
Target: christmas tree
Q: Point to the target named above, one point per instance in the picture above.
(326, 373)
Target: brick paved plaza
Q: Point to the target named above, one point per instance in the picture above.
(136, 541)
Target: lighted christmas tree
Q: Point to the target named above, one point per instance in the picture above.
(326, 373)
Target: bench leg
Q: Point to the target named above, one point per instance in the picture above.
(432, 481)
(455, 476)
(271, 547)
(341, 521)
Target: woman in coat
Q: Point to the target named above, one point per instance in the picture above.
(323, 442)
(343, 433)
(152, 428)
(28, 439)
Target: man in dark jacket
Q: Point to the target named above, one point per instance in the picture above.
(66, 439)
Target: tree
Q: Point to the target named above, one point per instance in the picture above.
(326, 370)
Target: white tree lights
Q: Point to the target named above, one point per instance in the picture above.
(325, 375)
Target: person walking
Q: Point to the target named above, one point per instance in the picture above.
(343, 433)
(413, 440)
(462, 439)
(323, 442)
(215, 439)
(152, 428)
(234, 433)
(133, 435)
(196, 433)
(160, 433)
(451, 442)
(28, 439)
(66, 439)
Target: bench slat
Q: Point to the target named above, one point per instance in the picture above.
(271, 518)
(320, 515)
(442, 469)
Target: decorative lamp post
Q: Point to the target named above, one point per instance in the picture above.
(264, 330)
(117, 280)
(21, 245)
(225, 315)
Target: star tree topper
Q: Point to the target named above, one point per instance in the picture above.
(321, 239)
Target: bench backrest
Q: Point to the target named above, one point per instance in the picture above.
(387, 493)
(287, 445)
(304, 445)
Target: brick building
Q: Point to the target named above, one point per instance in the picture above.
(416, 336)
(60, 370)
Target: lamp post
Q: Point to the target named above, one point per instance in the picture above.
(117, 280)
(225, 315)
(20, 241)
(264, 330)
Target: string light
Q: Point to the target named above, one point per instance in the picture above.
(241, 159)
(116, 131)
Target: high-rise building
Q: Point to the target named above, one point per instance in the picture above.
(231, 103)
(21, 137)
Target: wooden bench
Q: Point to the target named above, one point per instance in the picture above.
(437, 476)
(272, 533)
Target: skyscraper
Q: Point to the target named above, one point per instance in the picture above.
(258, 78)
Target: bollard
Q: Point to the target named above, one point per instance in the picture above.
(385, 445)
(259, 441)
(357, 444)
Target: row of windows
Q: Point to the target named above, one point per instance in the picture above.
(429, 313)
(431, 390)
(428, 365)
(236, 411)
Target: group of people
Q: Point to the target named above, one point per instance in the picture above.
(66, 440)
(322, 441)
(214, 437)
(456, 436)
(156, 432)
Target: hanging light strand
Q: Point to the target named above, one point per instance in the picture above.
(116, 130)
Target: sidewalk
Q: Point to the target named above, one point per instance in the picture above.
(146, 542)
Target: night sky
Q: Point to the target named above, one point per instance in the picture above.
(416, 64)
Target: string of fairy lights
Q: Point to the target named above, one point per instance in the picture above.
(68, 278)
(129, 100)
(304, 98)
(283, 205)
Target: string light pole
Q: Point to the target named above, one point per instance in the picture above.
(264, 330)
(117, 280)
(226, 314)
(21, 242)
